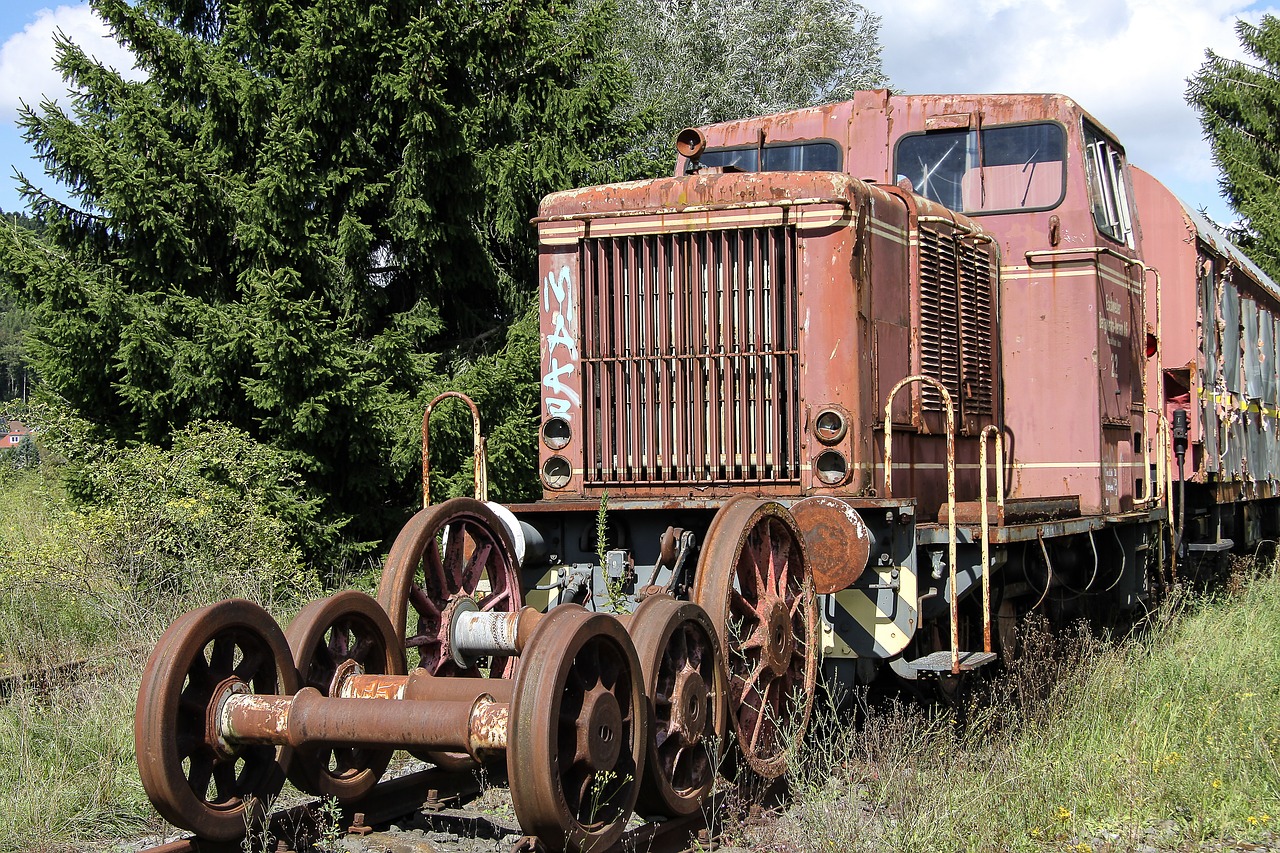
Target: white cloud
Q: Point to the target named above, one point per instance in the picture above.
(1125, 61)
(26, 58)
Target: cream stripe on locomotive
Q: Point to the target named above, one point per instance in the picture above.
(1040, 274)
(970, 466)
(870, 623)
(803, 213)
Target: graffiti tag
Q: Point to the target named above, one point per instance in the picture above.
(562, 344)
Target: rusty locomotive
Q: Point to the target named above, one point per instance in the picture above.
(849, 393)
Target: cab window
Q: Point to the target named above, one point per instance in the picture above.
(791, 157)
(1003, 168)
(1107, 194)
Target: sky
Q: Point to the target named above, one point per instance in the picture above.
(1125, 61)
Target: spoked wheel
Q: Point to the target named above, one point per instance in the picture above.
(578, 731)
(686, 685)
(195, 780)
(447, 552)
(754, 581)
(453, 550)
(344, 634)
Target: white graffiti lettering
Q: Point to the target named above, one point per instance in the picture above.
(562, 398)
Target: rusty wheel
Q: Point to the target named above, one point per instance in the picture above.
(578, 731)
(344, 634)
(195, 780)
(452, 550)
(457, 549)
(753, 580)
(685, 682)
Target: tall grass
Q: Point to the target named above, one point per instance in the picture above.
(1165, 739)
(98, 582)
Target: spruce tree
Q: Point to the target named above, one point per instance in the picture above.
(1239, 104)
(306, 217)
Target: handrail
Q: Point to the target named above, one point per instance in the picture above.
(951, 492)
(986, 523)
(481, 473)
(1038, 254)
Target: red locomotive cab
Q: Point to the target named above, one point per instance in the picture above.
(1054, 187)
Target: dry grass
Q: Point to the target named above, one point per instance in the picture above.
(1166, 740)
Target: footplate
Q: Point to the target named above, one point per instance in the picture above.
(941, 661)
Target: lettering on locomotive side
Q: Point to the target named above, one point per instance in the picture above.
(1117, 331)
(562, 343)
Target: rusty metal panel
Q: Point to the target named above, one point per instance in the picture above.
(1229, 328)
(1252, 362)
(1236, 446)
(692, 368)
(1267, 355)
(1272, 426)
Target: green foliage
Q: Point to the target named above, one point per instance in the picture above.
(15, 318)
(696, 63)
(305, 219)
(1238, 102)
(217, 513)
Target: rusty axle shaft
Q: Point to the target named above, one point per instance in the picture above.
(309, 718)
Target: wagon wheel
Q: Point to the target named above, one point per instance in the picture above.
(449, 551)
(685, 682)
(754, 581)
(344, 634)
(195, 780)
(578, 731)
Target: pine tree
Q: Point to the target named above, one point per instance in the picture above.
(1238, 104)
(306, 218)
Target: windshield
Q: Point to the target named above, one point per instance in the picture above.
(791, 157)
(1015, 167)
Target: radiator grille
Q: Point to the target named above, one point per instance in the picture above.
(690, 358)
(955, 322)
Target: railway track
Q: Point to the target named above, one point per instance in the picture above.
(410, 814)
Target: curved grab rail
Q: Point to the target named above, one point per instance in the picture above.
(477, 444)
(989, 429)
(951, 491)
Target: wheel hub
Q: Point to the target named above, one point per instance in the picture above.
(688, 704)
(600, 732)
(779, 641)
(225, 689)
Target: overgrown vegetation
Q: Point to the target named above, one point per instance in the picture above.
(1168, 740)
(97, 556)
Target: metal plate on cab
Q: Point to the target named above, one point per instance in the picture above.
(836, 540)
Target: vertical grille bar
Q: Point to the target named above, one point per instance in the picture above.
(691, 358)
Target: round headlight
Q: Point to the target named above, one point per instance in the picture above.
(831, 467)
(556, 472)
(556, 433)
(829, 426)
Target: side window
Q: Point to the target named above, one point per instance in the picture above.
(793, 157)
(1003, 168)
(1107, 193)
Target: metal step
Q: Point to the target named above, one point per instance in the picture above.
(941, 661)
(1222, 545)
